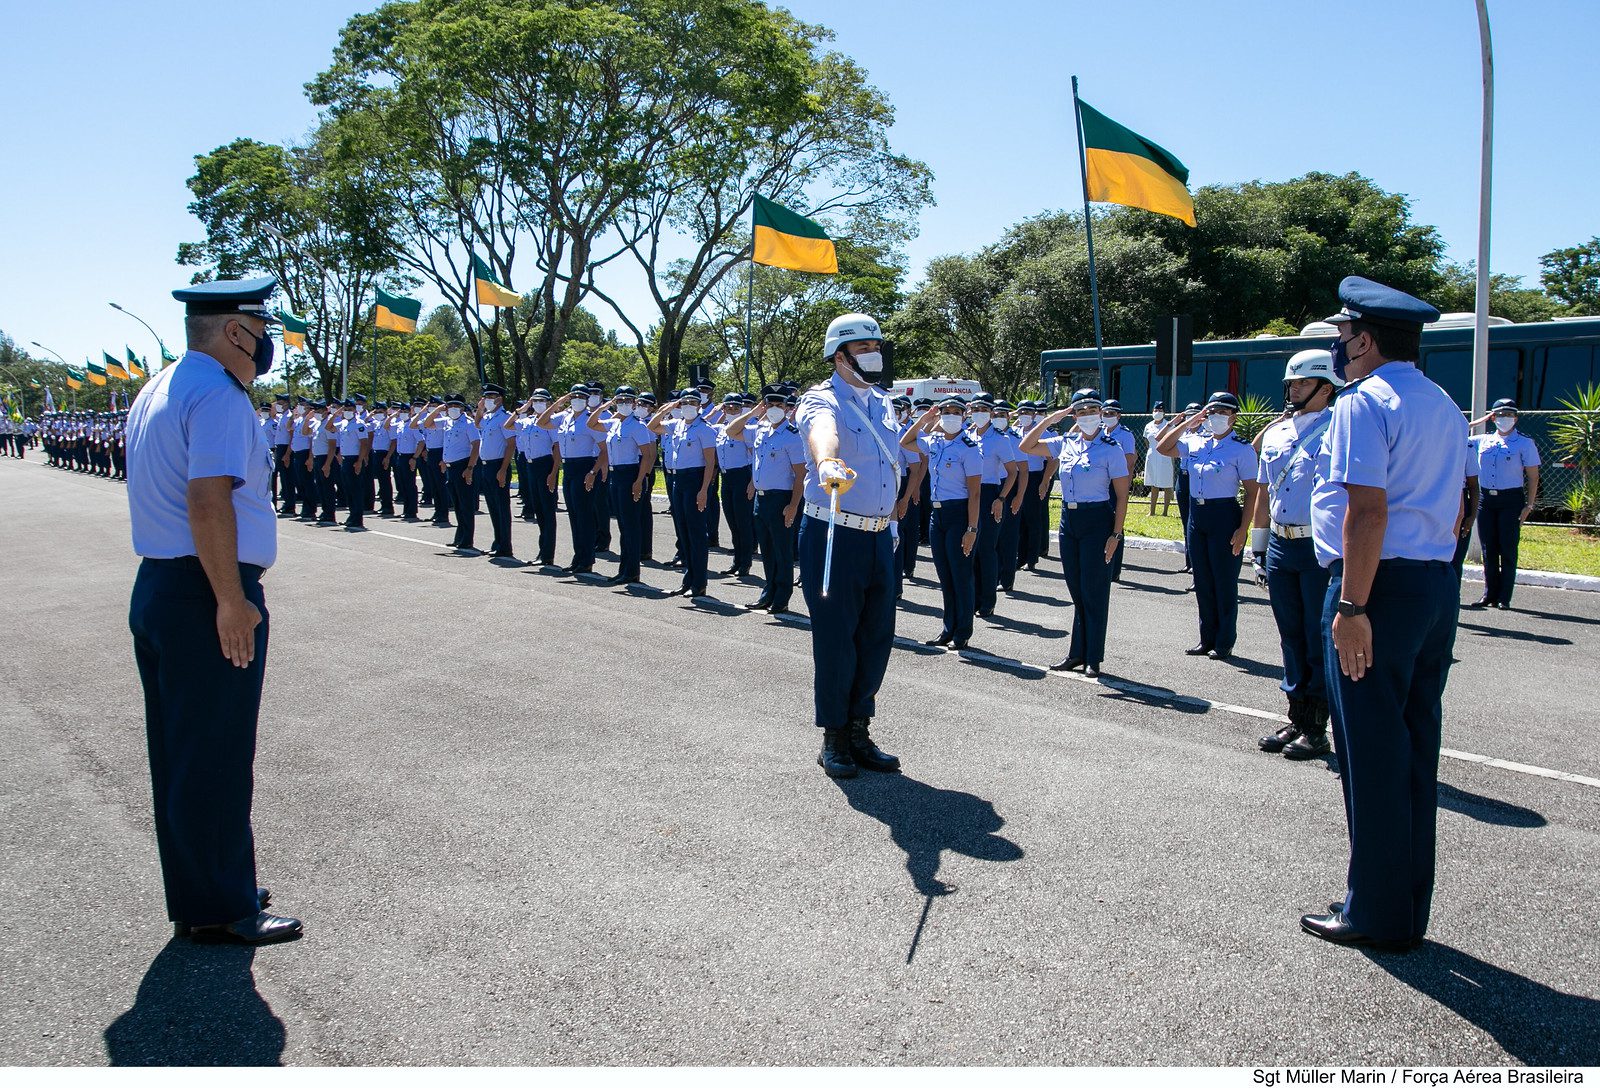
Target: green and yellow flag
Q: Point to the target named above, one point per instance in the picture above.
(97, 373)
(75, 378)
(1125, 168)
(294, 330)
(396, 313)
(167, 356)
(114, 366)
(786, 240)
(491, 292)
(134, 367)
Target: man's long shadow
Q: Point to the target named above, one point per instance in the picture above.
(197, 1005)
(1535, 1024)
(926, 821)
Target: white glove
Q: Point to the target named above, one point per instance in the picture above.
(835, 476)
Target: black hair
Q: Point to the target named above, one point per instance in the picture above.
(1404, 345)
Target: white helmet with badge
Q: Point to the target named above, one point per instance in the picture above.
(848, 327)
(1312, 363)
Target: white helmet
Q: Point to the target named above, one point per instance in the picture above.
(1312, 363)
(848, 327)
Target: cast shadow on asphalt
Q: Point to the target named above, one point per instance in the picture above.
(925, 821)
(1535, 1024)
(1518, 636)
(198, 1005)
(1487, 810)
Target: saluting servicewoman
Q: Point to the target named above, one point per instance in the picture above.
(955, 465)
(630, 453)
(1094, 504)
(850, 435)
(778, 474)
(1383, 516)
(203, 523)
(1508, 486)
(1112, 428)
(495, 452)
(1281, 548)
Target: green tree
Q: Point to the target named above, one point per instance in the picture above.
(1508, 298)
(1572, 276)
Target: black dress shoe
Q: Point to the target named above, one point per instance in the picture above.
(985, 614)
(1336, 928)
(835, 758)
(681, 591)
(1502, 606)
(263, 898)
(1091, 671)
(1308, 745)
(1071, 664)
(866, 752)
(758, 605)
(942, 640)
(1274, 742)
(1198, 651)
(615, 580)
(259, 928)
(960, 644)
(1219, 655)
(1481, 602)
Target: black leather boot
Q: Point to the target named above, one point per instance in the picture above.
(835, 758)
(866, 752)
(1313, 739)
(1298, 717)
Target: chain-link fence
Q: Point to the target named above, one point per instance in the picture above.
(1561, 474)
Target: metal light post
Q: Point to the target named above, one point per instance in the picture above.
(1480, 337)
(165, 354)
(22, 388)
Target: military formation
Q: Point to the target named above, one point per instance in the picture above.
(1352, 507)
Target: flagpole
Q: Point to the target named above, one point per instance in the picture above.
(1088, 232)
(749, 305)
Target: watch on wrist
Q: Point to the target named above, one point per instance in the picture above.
(1348, 609)
(971, 529)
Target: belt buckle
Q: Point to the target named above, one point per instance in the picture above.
(1198, 501)
(1072, 506)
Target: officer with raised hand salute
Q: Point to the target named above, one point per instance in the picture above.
(495, 450)
(1281, 548)
(459, 452)
(630, 454)
(956, 467)
(850, 435)
(778, 474)
(1383, 513)
(580, 458)
(999, 477)
(1508, 486)
(690, 448)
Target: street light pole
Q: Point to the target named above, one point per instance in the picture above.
(165, 354)
(1480, 337)
(63, 362)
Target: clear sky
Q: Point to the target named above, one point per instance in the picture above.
(105, 105)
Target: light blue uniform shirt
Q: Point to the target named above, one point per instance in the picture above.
(1035, 464)
(574, 436)
(996, 452)
(1088, 465)
(778, 450)
(685, 443)
(351, 432)
(732, 452)
(492, 437)
(951, 459)
(626, 440)
(269, 429)
(1396, 430)
(533, 441)
(193, 421)
(459, 435)
(1472, 462)
(1501, 459)
(867, 432)
(1123, 438)
(1217, 466)
(433, 437)
(321, 438)
(382, 437)
(288, 423)
(1288, 452)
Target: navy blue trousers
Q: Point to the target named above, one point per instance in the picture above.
(910, 538)
(403, 468)
(695, 539)
(1216, 570)
(630, 518)
(777, 547)
(741, 516)
(1033, 539)
(433, 470)
(200, 722)
(497, 501)
(1007, 543)
(288, 480)
(1387, 728)
(353, 490)
(580, 509)
(539, 501)
(326, 488)
(945, 532)
(852, 628)
(1183, 513)
(1297, 586)
(986, 554)
(305, 486)
(1083, 537)
(385, 482)
(1500, 531)
(463, 500)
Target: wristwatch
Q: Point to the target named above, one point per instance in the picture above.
(970, 529)
(1348, 609)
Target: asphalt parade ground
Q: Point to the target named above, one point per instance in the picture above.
(528, 819)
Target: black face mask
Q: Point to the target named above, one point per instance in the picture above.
(262, 355)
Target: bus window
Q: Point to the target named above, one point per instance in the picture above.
(1131, 385)
(1566, 369)
(1263, 378)
(1452, 371)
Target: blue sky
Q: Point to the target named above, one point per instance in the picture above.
(106, 105)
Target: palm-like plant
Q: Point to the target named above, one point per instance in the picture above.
(1255, 412)
(1576, 431)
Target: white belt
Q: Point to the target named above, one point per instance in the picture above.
(849, 521)
(1291, 532)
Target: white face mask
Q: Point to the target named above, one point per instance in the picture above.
(594, 400)
(539, 406)
(950, 423)
(453, 412)
(1505, 424)
(774, 415)
(641, 413)
(870, 362)
(1112, 422)
(299, 411)
(1158, 416)
(263, 414)
(684, 411)
(980, 420)
(1088, 424)
(1219, 423)
(1024, 423)
(625, 408)
(317, 416)
(491, 406)
(348, 414)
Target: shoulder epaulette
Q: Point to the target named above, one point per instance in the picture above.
(1108, 440)
(792, 428)
(969, 440)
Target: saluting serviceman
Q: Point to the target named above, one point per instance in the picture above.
(537, 471)
(1383, 517)
(433, 475)
(689, 446)
(850, 437)
(495, 452)
(1111, 426)
(778, 473)
(378, 465)
(1094, 504)
(1000, 474)
(459, 454)
(1508, 486)
(352, 447)
(568, 417)
(956, 466)
(1281, 549)
(630, 453)
(405, 450)
(203, 523)
(1034, 534)
(1469, 509)
(319, 426)
(1218, 465)
(1007, 545)
(733, 469)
